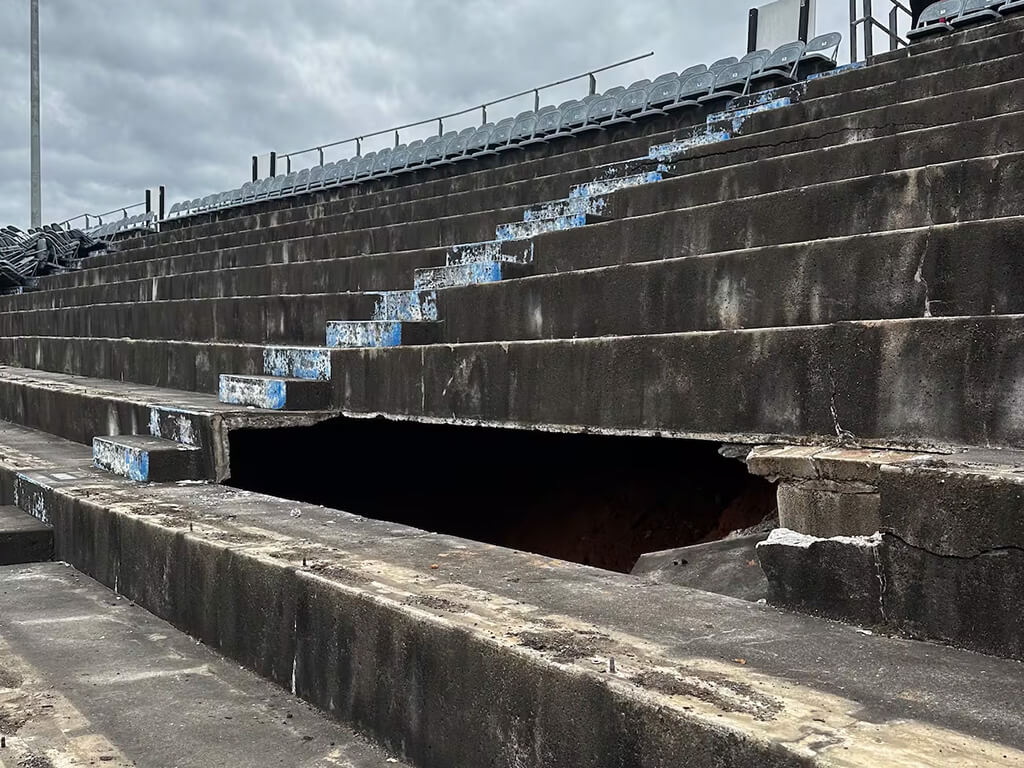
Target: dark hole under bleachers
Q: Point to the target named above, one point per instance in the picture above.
(596, 500)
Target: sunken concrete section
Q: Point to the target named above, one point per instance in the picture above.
(87, 678)
(726, 567)
(23, 538)
(274, 394)
(456, 653)
(148, 459)
(945, 558)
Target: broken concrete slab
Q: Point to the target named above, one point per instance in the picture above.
(726, 567)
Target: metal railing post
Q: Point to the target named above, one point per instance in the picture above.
(273, 165)
(869, 33)
(536, 100)
(440, 126)
(593, 83)
(396, 139)
(853, 30)
(321, 151)
(287, 163)
(483, 114)
(255, 168)
(86, 222)
(162, 201)
(149, 201)
(359, 147)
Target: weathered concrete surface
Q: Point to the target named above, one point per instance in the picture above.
(393, 629)
(148, 459)
(274, 393)
(81, 409)
(726, 567)
(840, 577)
(947, 563)
(88, 678)
(23, 538)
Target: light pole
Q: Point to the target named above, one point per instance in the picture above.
(37, 194)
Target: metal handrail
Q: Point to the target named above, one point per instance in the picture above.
(441, 118)
(99, 216)
(870, 23)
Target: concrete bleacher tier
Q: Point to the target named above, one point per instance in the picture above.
(824, 272)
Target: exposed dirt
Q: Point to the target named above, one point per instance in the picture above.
(725, 694)
(566, 646)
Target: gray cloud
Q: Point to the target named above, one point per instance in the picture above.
(138, 93)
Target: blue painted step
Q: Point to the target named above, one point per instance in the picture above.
(379, 333)
(518, 251)
(274, 393)
(524, 229)
(312, 363)
(614, 184)
(147, 459)
(570, 206)
(406, 306)
(474, 273)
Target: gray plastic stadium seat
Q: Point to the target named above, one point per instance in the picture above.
(399, 159)
(821, 53)
(382, 163)
(480, 138)
(175, 210)
(418, 152)
(316, 177)
(756, 62)
(524, 128)
(936, 18)
(246, 192)
(332, 174)
(696, 69)
(456, 148)
(762, 52)
(730, 83)
(364, 165)
(288, 185)
(632, 102)
(664, 77)
(639, 84)
(694, 88)
(302, 181)
(549, 122)
(781, 66)
(277, 186)
(598, 112)
(437, 146)
(574, 114)
(978, 11)
(501, 137)
(721, 64)
(618, 89)
(658, 95)
(347, 170)
(1013, 6)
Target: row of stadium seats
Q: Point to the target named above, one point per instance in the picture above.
(47, 250)
(697, 86)
(950, 15)
(143, 222)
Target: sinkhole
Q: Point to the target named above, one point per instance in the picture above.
(597, 500)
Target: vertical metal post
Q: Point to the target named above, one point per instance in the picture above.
(752, 31)
(894, 37)
(869, 32)
(321, 151)
(440, 126)
(396, 139)
(805, 20)
(287, 163)
(273, 164)
(359, 147)
(162, 202)
(593, 83)
(86, 223)
(255, 169)
(536, 100)
(37, 191)
(149, 201)
(483, 112)
(853, 30)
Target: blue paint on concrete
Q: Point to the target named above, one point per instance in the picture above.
(455, 275)
(700, 138)
(311, 363)
(137, 464)
(524, 229)
(363, 333)
(276, 395)
(837, 71)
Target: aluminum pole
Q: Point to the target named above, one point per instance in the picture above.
(37, 194)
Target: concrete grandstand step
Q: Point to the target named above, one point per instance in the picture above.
(274, 393)
(733, 687)
(91, 679)
(23, 538)
(379, 333)
(148, 459)
(298, 362)
(930, 545)
(470, 273)
(580, 205)
(538, 226)
(517, 251)
(726, 567)
(406, 306)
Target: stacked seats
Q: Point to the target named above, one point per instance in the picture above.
(24, 256)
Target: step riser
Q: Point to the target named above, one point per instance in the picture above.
(474, 273)
(274, 394)
(160, 465)
(298, 363)
(704, 387)
(379, 334)
(527, 229)
(23, 539)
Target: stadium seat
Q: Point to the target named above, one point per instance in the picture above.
(820, 54)
(480, 139)
(549, 121)
(721, 64)
(524, 127)
(730, 83)
(781, 67)
(574, 116)
(501, 137)
(437, 146)
(978, 11)
(936, 18)
(598, 111)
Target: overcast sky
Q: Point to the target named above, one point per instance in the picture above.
(138, 93)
